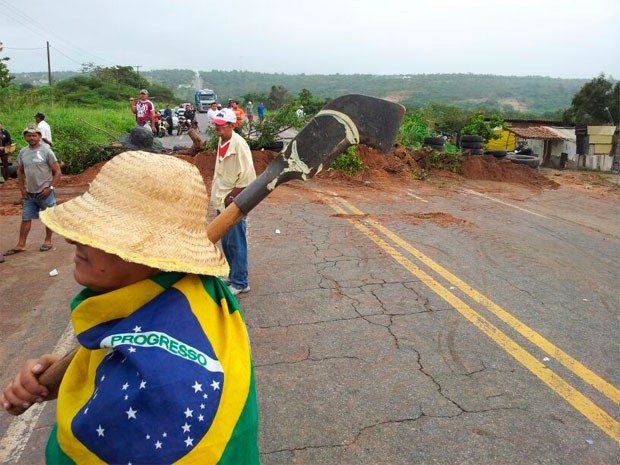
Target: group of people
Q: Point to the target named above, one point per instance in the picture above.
(146, 115)
(153, 304)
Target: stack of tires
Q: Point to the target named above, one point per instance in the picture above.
(472, 144)
(435, 143)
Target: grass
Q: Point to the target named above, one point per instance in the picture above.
(79, 134)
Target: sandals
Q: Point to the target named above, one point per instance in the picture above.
(13, 252)
(45, 247)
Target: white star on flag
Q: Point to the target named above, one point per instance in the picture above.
(143, 385)
(131, 413)
(125, 386)
(197, 387)
(186, 427)
(215, 385)
(201, 418)
(132, 350)
(100, 431)
(158, 445)
(189, 441)
(188, 412)
(137, 329)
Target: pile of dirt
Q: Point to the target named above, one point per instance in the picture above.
(401, 164)
(405, 164)
(487, 167)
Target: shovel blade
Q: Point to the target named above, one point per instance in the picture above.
(345, 121)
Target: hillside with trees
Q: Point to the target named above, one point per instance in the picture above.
(510, 95)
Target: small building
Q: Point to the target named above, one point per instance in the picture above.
(557, 146)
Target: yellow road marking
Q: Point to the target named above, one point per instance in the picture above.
(569, 362)
(575, 398)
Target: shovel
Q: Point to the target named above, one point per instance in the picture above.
(345, 121)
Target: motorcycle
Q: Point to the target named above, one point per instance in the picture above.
(163, 128)
(185, 124)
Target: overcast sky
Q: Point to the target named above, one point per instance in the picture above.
(556, 38)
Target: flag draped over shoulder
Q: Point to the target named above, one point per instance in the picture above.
(164, 375)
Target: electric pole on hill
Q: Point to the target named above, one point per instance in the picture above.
(49, 65)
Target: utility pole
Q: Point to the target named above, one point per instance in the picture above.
(49, 66)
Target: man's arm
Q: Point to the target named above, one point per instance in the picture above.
(152, 117)
(132, 105)
(21, 180)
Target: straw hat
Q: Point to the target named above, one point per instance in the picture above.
(145, 208)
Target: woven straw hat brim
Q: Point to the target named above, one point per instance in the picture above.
(145, 208)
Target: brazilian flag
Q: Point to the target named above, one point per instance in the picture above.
(163, 375)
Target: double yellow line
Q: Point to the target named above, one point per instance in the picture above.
(575, 398)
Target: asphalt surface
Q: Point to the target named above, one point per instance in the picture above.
(468, 323)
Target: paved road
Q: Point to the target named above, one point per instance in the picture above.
(452, 324)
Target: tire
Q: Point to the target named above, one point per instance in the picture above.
(433, 141)
(468, 138)
(476, 151)
(437, 147)
(496, 153)
(471, 145)
(274, 146)
(528, 160)
(13, 171)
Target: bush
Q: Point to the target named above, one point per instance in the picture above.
(349, 162)
(79, 134)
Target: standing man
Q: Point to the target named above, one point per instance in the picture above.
(5, 143)
(211, 114)
(144, 110)
(38, 173)
(44, 128)
(239, 113)
(261, 112)
(168, 117)
(234, 171)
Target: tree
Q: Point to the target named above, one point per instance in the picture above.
(479, 126)
(312, 105)
(594, 103)
(5, 76)
(277, 97)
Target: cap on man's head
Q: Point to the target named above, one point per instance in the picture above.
(40, 115)
(224, 116)
(144, 91)
(32, 129)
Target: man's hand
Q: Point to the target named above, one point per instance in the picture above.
(25, 390)
(45, 193)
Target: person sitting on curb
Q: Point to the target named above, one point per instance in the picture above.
(38, 173)
(164, 370)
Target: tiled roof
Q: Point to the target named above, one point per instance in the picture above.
(535, 132)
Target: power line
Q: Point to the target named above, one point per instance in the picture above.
(30, 23)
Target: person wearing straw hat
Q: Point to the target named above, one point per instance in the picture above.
(164, 371)
(38, 173)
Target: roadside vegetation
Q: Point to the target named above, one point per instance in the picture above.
(89, 112)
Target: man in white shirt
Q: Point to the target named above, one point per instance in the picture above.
(44, 128)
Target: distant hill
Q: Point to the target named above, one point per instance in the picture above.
(526, 94)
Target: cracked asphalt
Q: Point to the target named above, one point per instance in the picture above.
(392, 329)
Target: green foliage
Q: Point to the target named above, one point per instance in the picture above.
(275, 123)
(312, 105)
(413, 131)
(595, 103)
(445, 119)
(349, 162)
(5, 76)
(435, 160)
(479, 126)
(79, 134)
